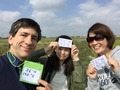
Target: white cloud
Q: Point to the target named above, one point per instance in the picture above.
(116, 2)
(58, 27)
(93, 10)
(51, 15)
(89, 12)
(7, 16)
(43, 16)
(47, 4)
(70, 22)
(77, 21)
(109, 13)
(44, 12)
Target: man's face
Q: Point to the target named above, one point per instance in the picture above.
(23, 43)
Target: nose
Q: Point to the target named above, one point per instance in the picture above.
(94, 42)
(28, 40)
(62, 51)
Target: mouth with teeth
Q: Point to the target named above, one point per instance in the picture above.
(96, 49)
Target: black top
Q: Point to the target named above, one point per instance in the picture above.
(9, 76)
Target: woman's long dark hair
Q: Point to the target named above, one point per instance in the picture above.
(55, 62)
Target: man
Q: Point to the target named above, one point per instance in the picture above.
(23, 38)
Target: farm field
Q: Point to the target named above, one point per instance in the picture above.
(85, 53)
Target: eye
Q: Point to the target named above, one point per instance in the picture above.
(60, 48)
(66, 49)
(24, 35)
(34, 38)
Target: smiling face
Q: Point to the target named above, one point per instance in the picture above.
(62, 53)
(23, 43)
(98, 46)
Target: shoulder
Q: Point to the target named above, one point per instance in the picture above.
(3, 58)
(116, 52)
(3, 62)
(117, 47)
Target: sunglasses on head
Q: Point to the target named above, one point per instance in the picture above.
(97, 37)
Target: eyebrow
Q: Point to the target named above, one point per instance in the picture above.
(26, 33)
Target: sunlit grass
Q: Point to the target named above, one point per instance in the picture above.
(80, 42)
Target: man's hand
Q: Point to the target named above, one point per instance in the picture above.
(46, 86)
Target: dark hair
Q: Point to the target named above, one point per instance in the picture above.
(25, 23)
(68, 62)
(99, 28)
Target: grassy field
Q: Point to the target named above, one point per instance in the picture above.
(80, 42)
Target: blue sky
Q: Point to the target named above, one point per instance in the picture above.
(57, 17)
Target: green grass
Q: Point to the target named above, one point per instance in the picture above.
(117, 42)
(80, 42)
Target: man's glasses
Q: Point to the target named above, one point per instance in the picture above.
(98, 37)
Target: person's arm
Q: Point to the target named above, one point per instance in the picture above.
(1, 63)
(41, 52)
(114, 60)
(114, 66)
(41, 55)
(78, 75)
(116, 57)
(92, 83)
(37, 54)
(46, 86)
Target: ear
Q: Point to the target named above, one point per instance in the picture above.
(10, 39)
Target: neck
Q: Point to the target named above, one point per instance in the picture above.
(13, 53)
(61, 62)
(14, 60)
(106, 52)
